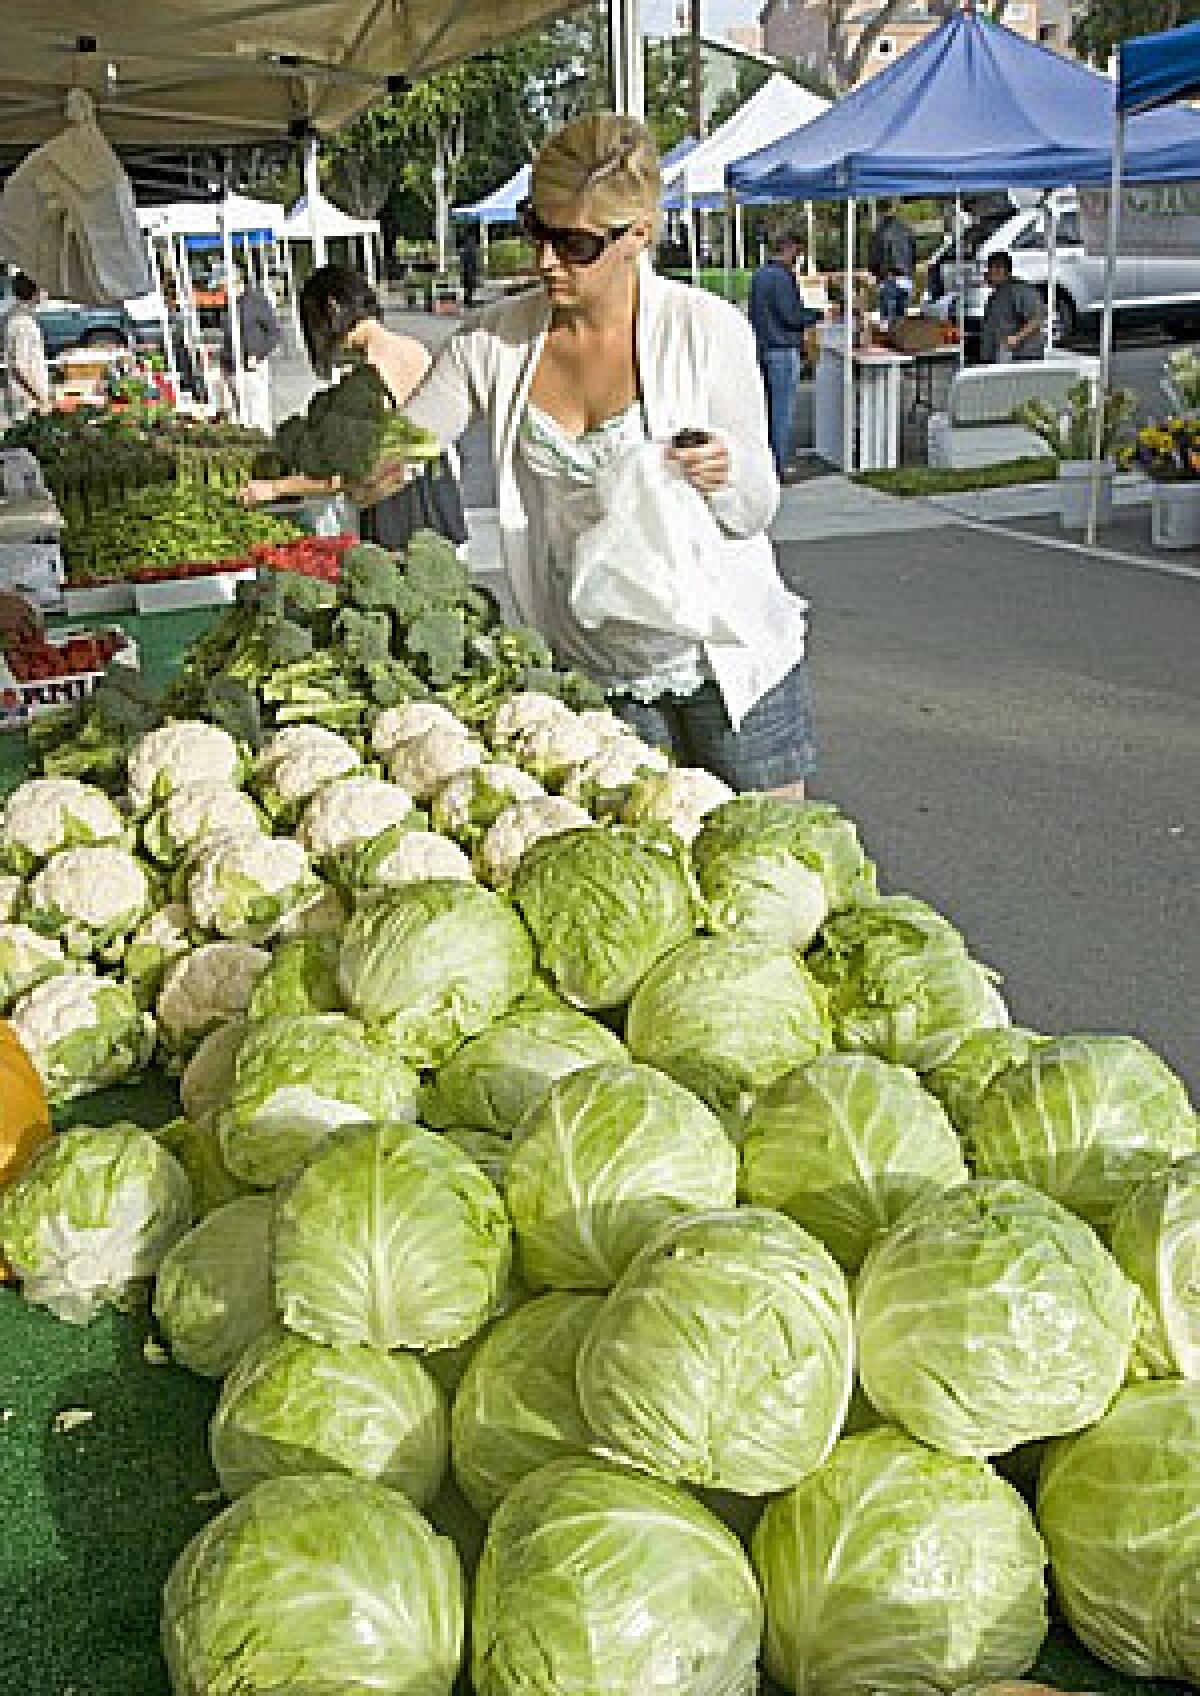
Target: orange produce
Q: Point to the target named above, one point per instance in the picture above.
(24, 1114)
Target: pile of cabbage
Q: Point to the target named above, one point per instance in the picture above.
(627, 1242)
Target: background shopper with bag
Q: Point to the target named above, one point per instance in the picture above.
(577, 377)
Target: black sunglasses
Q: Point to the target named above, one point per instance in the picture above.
(573, 247)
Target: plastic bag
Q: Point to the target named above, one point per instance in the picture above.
(655, 559)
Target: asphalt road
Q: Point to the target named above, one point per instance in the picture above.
(1017, 732)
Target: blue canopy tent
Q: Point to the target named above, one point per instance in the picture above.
(1153, 70)
(972, 107)
(500, 206)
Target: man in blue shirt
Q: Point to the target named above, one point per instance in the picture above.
(779, 318)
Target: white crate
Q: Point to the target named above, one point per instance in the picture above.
(182, 594)
(99, 598)
(21, 702)
(1175, 515)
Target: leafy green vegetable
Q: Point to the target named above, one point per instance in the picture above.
(894, 1570)
(349, 428)
(493, 1080)
(1155, 1240)
(608, 1155)
(390, 1236)
(845, 1146)
(725, 1016)
(517, 1407)
(1117, 1506)
(596, 1579)
(292, 1406)
(751, 855)
(91, 1217)
(724, 1356)
(603, 906)
(961, 1080)
(989, 1317)
(301, 979)
(212, 1297)
(196, 1146)
(1082, 1119)
(315, 1584)
(435, 962)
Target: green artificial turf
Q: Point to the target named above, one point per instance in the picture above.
(916, 480)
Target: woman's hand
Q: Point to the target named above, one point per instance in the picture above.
(386, 479)
(707, 467)
(259, 491)
(18, 617)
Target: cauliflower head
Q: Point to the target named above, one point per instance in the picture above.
(681, 799)
(350, 811)
(26, 958)
(47, 814)
(242, 886)
(471, 800)
(423, 763)
(207, 988)
(519, 827)
(600, 783)
(549, 750)
(89, 897)
(196, 810)
(297, 761)
(179, 752)
(400, 724)
(417, 855)
(161, 939)
(83, 1034)
(524, 712)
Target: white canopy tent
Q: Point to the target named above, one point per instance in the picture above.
(698, 181)
(317, 221)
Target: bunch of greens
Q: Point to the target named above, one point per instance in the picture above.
(163, 526)
(349, 429)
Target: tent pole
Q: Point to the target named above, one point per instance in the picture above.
(810, 222)
(164, 317)
(727, 244)
(290, 274)
(1106, 325)
(312, 197)
(739, 237)
(961, 302)
(1051, 270)
(848, 344)
(235, 321)
(693, 240)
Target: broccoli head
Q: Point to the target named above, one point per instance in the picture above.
(437, 642)
(366, 637)
(372, 578)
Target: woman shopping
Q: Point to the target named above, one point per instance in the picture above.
(600, 360)
(341, 323)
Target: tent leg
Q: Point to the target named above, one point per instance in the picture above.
(727, 244)
(961, 301)
(312, 192)
(164, 316)
(1106, 326)
(290, 275)
(739, 237)
(810, 225)
(693, 242)
(1051, 271)
(235, 324)
(848, 344)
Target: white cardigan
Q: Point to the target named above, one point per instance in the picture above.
(698, 368)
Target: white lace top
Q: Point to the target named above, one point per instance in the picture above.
(563, 469)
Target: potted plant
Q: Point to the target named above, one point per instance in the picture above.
(1169, 453)
(1070, 437)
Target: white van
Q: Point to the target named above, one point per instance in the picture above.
(1162, 291)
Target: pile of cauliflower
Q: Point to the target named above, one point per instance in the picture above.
(139, 927)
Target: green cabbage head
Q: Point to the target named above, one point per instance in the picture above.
(197, 1147)
(742, 847)
(392, 1237)
(960, 1082)
(495, 1078)
(725, 1016)
(212, 1297)
(315, 1584)
(603, 906)
(292, 1406)
(1082, 1119)
(436, 962)
(902, 984)
(302, 978)
(91, 1217)
(989, 1317)
(595, 1579)
(1119, 1507)
(895, 1571)
(608, 1155)
(517, 1407)
(296, 1080)
(724, 1356)
(1156, 1241)
(845, 1146)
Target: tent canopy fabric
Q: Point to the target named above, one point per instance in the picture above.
(777, 108)
(262, 220)
(224, 71)
(327, 220)
(974, 106)
(1156, 69)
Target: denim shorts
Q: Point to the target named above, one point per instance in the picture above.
(775, 746)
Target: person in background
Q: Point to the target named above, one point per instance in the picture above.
(468, 260)
(261, 336)
(892, 261)
(26, 370)
(340, 320)
(602, 360)
(779, 319)
(1013, 319)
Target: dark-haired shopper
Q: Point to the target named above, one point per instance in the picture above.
(340, 320)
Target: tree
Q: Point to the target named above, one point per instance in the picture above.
(1103, 24)
(668, 91)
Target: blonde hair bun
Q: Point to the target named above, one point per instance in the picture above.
(605, 165)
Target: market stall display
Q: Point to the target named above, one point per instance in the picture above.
(598, 1063)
